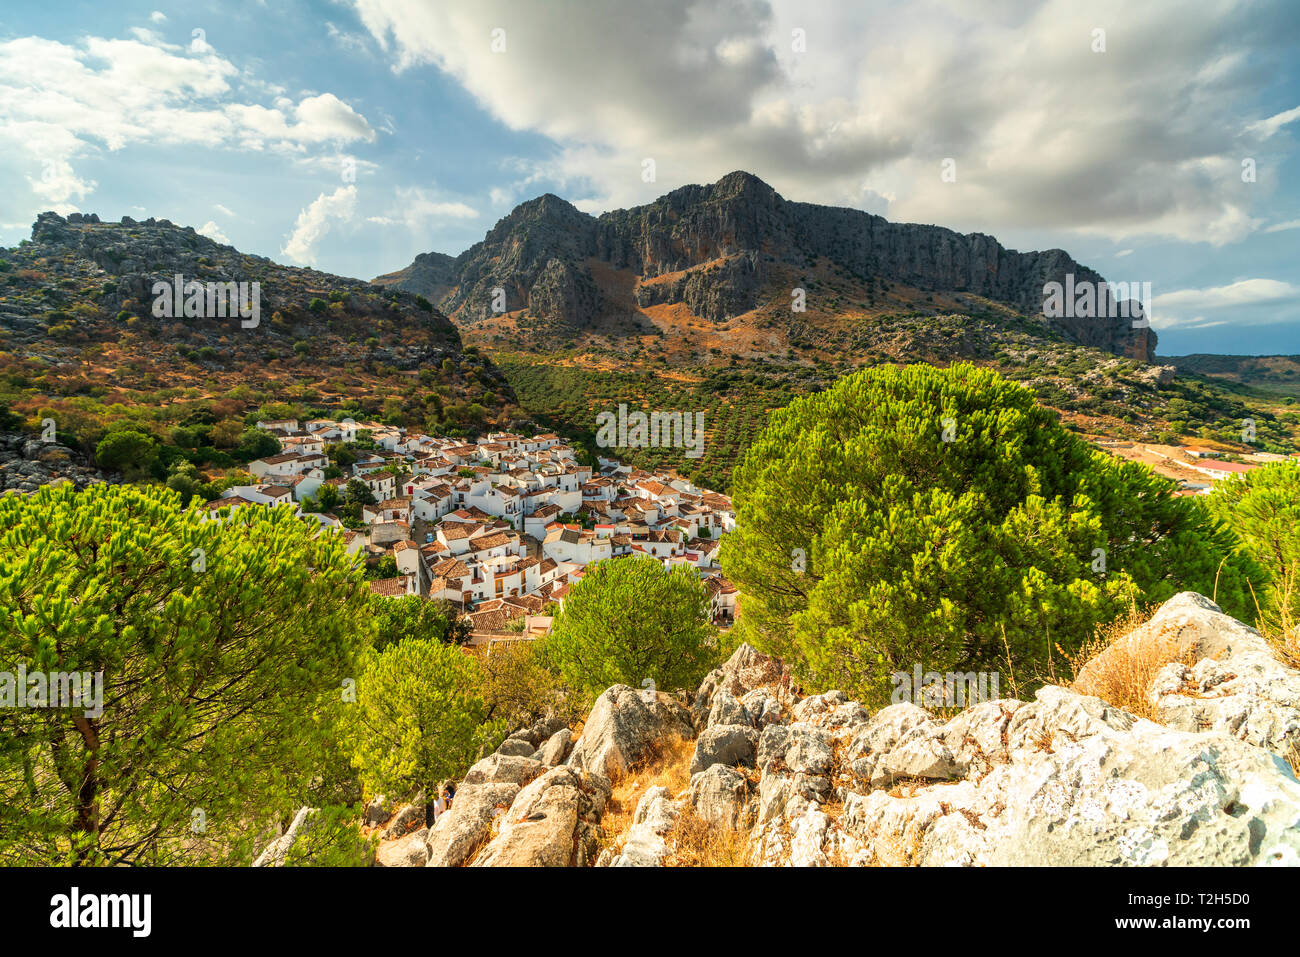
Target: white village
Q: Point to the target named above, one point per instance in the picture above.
(501, 527)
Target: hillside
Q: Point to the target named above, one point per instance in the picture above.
(79, 340)
(746, 770)
(1267, 374)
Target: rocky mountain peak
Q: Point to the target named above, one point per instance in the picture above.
(732, 247)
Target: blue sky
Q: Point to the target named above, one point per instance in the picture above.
(352, 135)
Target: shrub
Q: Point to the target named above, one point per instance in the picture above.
(1263, 508)
(130, 452)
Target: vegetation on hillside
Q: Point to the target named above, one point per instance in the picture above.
(1263, 508)
(1094, 392)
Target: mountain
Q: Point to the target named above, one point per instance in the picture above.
(732, 254)
(78, 330)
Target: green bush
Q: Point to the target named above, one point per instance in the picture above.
(867, 543)
(1263, 508)
(630, 620)
(419, 718)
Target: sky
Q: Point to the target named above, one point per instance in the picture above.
(1155, 142)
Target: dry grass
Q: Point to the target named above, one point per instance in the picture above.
(1123, 676)
(666, 766)
(692, 842)
(697, 843)
(1277, 623)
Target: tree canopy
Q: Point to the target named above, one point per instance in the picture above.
(224, 648)
(941, 517)
(420, 717)
(630, 620)
(410, 616)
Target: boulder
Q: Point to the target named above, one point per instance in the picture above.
(746, 669)
(796, 761)
(721, 796)
(832, 711)
(727, 710)
(503, 769)
(553, 822)
(409, 851)
(762, 708)
(556, 748)
(728, 744)
(378, 811)
(408, 819)
(644, 844)
(1082, 783)
(1225, 676)
(623, 727)
(516, 747)
(467, 826)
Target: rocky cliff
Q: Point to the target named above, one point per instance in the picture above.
(725, 249)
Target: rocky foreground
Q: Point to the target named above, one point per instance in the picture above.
(1064, 779)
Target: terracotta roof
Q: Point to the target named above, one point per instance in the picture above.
(389, 587)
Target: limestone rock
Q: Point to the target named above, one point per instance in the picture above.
(503, 768)
(644, 844)
(409, 851)
(746, 669)
(466, 827)
(624, 725)
(1234, 684)
(721, 796)
(727, 744)
(551, 823)
(556, 748)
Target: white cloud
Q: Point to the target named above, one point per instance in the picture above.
(223, 210)
(1267, 127)
(315, 221)
(1245, 302)
(213, 231)
(58, 183)
(1144, 140)
(158, 17)
(1283, 227)
(60, 103)
(416, 209)
(1241, 293)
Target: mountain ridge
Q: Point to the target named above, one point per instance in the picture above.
(726, 250)
(80, 322)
